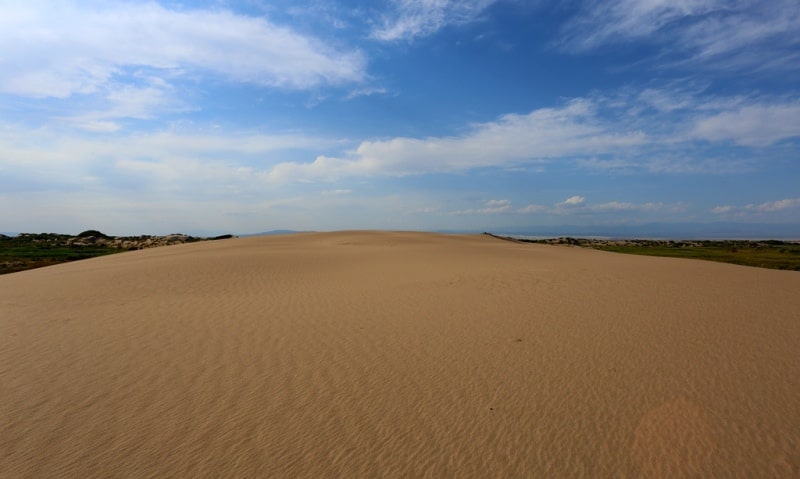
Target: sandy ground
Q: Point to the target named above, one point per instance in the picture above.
(372, 354)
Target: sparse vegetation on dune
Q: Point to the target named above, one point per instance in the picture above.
(35, 250)
(772, 254)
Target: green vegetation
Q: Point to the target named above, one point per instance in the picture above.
(27, 251)
(764, 254)
(92, 233)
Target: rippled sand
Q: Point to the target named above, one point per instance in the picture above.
(377, 354)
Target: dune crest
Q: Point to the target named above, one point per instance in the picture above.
(398, 354)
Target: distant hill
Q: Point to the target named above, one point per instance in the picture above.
(275, 232)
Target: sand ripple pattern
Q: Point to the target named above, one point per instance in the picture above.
(388, 354)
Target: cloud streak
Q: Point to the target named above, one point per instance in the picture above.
(412, 19)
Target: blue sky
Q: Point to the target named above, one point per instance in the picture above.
(210, 117)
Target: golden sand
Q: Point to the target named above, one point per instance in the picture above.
(378, 354)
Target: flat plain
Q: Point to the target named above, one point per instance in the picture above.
(398, 354)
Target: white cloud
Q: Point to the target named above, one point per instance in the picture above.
(419, 18)
(61, 49)
(572, 201)
(751, 125)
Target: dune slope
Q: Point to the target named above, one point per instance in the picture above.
(388, 354)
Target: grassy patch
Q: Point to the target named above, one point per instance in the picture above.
(763, 254)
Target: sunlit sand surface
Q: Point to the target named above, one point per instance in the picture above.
(379, 354)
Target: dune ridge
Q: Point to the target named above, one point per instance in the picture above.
(398, 354)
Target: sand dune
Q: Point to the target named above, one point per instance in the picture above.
(377, 354)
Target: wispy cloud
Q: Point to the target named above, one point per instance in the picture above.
(731, 35)
(758, 209)
(66, 48)
(126, 102)
(410, 19)
(601, 23)
(745, 34)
